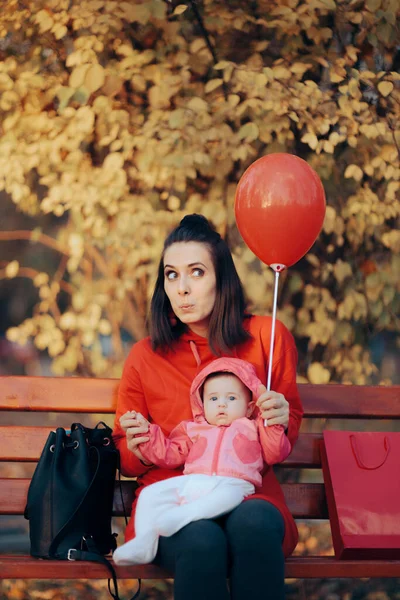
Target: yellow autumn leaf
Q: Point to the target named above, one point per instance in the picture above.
(179, 9)
(104, 327)
(94, 78)
(249, 131)
(41, 279)
(113, 161)
(300, 68)
(310, 139)
(12, 269)
(211, 85)
(281, 72)
(197, 104)
(353, 171)
(385, 88)
(342, 270)
(223, 64)
(316, 373)
(197, 45)
(13, 334)
(77, 76)
(233, 100)
(331, 4)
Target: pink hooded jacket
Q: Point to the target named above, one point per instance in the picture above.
(238, 450)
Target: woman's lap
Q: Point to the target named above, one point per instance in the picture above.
(245, 545)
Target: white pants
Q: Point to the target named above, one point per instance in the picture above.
(165, 507)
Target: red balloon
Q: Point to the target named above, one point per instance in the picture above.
(279, 208)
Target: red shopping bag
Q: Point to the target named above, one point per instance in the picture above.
(362, 481)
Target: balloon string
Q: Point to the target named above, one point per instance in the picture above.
(271, 345)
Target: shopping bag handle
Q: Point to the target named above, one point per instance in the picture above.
(360, 462)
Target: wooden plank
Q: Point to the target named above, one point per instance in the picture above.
(316, 567)
(58, 394)
(25, 444)
(351, 401)
(75, 394)
(305, 500)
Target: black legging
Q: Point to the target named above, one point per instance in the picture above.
(245, 545)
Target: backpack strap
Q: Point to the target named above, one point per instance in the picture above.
(92, 555)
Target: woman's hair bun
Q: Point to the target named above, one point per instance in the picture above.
(196, 220)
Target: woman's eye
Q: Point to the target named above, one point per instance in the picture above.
(198, 272)
(170, 275)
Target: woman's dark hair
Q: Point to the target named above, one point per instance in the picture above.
(225, 329)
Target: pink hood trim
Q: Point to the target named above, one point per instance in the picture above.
(242, 369)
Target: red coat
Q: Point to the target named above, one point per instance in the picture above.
(157, 385)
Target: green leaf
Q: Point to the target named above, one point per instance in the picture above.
(81, 95)
(64, 95)
(384, 32)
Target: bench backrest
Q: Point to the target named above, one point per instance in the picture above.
(98, 396)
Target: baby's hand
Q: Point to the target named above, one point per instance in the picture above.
(135, 426)
(134, 420)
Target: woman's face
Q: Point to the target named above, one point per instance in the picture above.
(190, 284)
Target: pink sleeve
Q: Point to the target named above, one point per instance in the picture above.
(168, 452)
(274, 442)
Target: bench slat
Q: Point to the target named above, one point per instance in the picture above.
(305, 500)
(58, 394)
(317, 567)
(77, 394)
(14, 446)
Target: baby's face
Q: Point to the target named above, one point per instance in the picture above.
(226, 399)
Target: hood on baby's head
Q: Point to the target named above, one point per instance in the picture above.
(241, 368)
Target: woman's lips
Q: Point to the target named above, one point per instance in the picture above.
(186, 306)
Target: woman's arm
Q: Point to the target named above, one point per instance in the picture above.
(130, 398)
(168, 452)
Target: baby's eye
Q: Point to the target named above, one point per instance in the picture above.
(170, 275)
(213, 398)
(198, 272)
(232, 397)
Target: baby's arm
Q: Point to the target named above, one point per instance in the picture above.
(274, 442)
(168, 452)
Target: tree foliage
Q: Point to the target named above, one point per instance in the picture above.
(119, 117)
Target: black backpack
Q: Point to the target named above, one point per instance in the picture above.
(70, 497)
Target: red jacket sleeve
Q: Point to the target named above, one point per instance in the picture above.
(167, 452)
(130, 397)
(274, 442)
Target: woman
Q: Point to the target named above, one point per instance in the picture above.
(198, 312)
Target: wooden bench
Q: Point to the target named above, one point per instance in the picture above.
(98, 396)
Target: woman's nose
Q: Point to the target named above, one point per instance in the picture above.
(183, 287)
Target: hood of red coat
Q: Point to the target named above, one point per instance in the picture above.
(241, 368)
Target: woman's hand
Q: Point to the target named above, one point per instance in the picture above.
(134, 424)
(273, 407)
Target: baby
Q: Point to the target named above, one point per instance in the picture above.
(223, 450)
